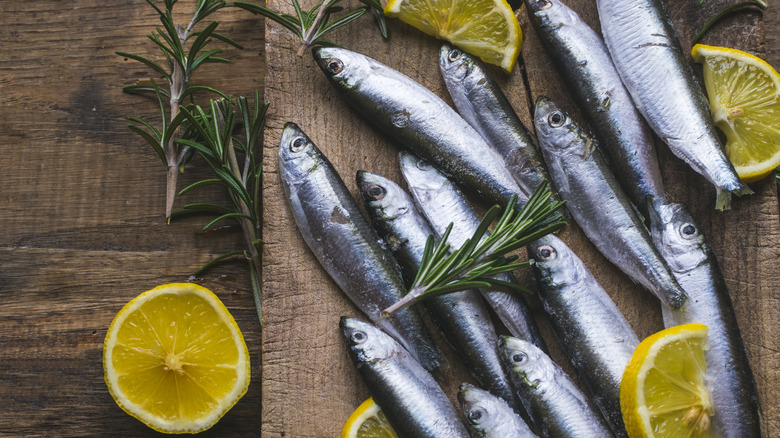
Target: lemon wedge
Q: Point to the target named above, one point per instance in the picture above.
(175, 359)
(484, 28)
(744, 95)
(368, 421)
(663, 393)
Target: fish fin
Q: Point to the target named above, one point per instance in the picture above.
(743, 190)
(723, 200)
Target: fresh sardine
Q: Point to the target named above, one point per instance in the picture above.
(594, 334)
(558, 408)
(410, 398)
(583, 61)
(651, 63)
(345, 244)
(462, 317)
(488, 416)
(599, 205)
(484, 106)
(694, 264)
(420, 121)
(442, 203)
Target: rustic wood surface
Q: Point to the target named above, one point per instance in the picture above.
(83, 229)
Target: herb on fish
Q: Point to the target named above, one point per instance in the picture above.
(181, 63)
(312, 25)
(761, 4)
(474, 263)
(237, 164)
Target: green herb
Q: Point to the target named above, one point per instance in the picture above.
(184, 50)
(761, 4)
(228, 136)
(311, 25)
(475, 263)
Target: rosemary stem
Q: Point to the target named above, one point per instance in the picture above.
(312, 30)
(403, 302)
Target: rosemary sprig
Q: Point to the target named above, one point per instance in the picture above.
(228, 136)
(184, 50)
(761, 4)
(311, 25)
(476, 262)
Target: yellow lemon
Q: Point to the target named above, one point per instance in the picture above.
(484, 28)
(368, 421)
(175, 359)
(744, 94)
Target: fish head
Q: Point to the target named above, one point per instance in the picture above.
(455, 64)
(343, 67)
(528, 365)
(555, 262)
(386, 198)
(553, 13)
(676, 235)
(423, 180)
(298, 156)
(479, 407)
(556, 131)
(366, 343)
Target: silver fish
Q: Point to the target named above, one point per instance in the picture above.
(410, 398)
(594, 334)
(484, 106)
(462, 317)
(599, 205)
(345, 244)
(583, 61)
(558, 408)
(420, 121)
(694, 264)
(442, 203)
(647, 54)
(488, 416)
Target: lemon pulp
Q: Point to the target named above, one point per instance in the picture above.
(368, 421)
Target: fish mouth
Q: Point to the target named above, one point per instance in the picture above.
(539, 5)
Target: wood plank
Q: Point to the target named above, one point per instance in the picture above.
(307, 374)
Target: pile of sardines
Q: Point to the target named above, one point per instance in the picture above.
(629, 84)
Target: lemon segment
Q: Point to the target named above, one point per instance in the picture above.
(664, 393)
(175, 359)
(744, 96)
(484, 28)
(368, 421)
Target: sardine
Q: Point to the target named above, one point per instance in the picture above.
(442, 203)
(594, 334)
(484, 106)
(420, 121)
(694, 264)
(345, 244)
(599, 205)
(558, 408)
(462, 317)
(648, 56)
(410, 398)
(583, 61)
(488, 416)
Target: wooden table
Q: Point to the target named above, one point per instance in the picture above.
(83, 230)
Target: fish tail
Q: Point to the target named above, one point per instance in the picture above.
(723, 200)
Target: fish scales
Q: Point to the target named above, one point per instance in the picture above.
(345, 244)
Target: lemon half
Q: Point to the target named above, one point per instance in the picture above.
(484, 28)
(175, 359)
(744, 95)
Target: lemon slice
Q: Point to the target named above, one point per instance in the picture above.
(368, 421)
(484, 28)
(663, 393)
(744, 94)
(175, 359)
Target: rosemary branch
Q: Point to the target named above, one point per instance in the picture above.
(479, 259)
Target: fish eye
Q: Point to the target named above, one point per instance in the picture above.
(297, 144)
(688, 230)
(422, 165)
(547, 253)
(359, 337)
(335, 66)
(519, 357)
(475, 415)
(376, 192)
(454, 55)
(556, 119)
